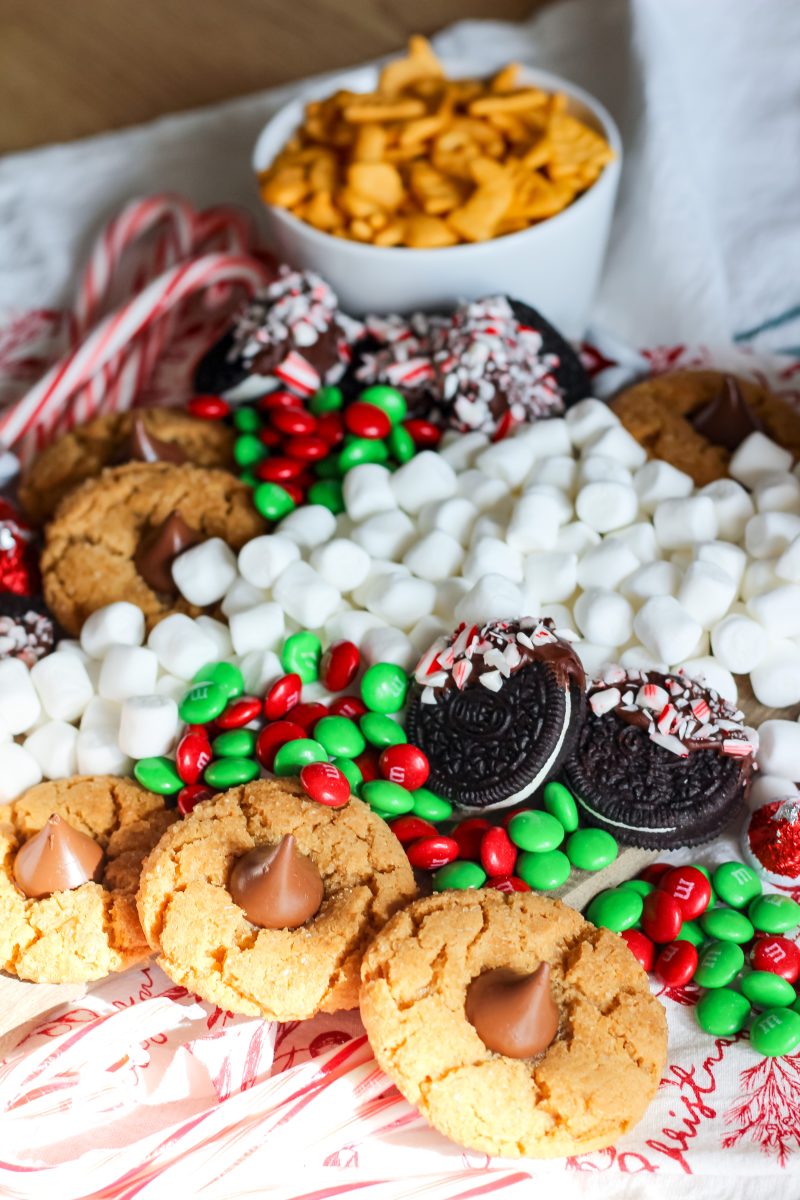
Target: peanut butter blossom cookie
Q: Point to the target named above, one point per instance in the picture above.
(71, 852)
(263, 901)
(116, 536)
(495, 709)
(147, 435)
(515, 1026)
(660, 761)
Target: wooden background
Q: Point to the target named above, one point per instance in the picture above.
(69, 68)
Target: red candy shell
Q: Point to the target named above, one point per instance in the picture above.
(270, 438)
(192, 794)
(424, 434)
(347, 706)
(469, 835)
(210, 408)
(272, 737)
(279, 399)
(367, 420)
(689, 887)
(653, 873)
(339, 666)
(293, 420)
(640, 947)
(307, 446)
(777, 955)
(330, 427)
(307, 715)
(676, 963)
(278, 470)
(409, 828)
(661, 917)
(294, 490)
(508, 883)
(326, 784)
(240, 712)
(282, 696)
(405, 765)
(430, 853)
(498, 853)
(367, 763)
(193, 755)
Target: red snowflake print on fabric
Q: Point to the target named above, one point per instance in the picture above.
(766, 1114)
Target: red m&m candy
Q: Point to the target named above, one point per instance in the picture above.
(309, 447)
(190, 795)
(653, 872)
(339, 666)
(367, 420)
(469, 835)
(676, 963)
(292, 420)
(425, 435)
(240, 712)
(282, 696)
(330, 427)
(211, 408)
(778, 955)
(193, 755)
(689, 887)
(367, 763)
(406, 765)
(347, 706)
(498, 853)
(508, 883)
(661, 917)
(279, 399)
(326, 784)
(430, 853)
(307, 715)
(640, 947)
(279, 470)
(272, 737)
(409, 828)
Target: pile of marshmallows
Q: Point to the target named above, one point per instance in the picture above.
(565, 519)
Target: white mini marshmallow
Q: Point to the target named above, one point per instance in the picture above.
(509, 461)
(778, 610)
(682, 523)
(113, 624)
(607, 505)
(657, 481)
(768, 535)
(616, 442)
(148, 726)
(103, 714)
(309, 526)
(63, 685)
(594, 657)
(739, 643)
(242, 595)
(604, 617)
(560, 471)
(729, 558)
(711, 674)
(777, 492)
(487, 526)
(97, 752)
(788, 565)
(455, 516)
(544, 439)
(559, 614)
(491, 556)
(342, 563)
(384, 644)
(305, 597)
(565, 506)
(576, 538)
(181, 645)
(535, 522)
(19, 771)
(492, 598)
(260, 669)
(641, 538)
(766, 788)
(54, 746)
(258, 628)
(759, 577)
(706, 592)
(378, 568)
(597, 467)
(461, 449)
(606, 565)
(448, 594)
(127, 671)
(367, 490)
(170, 685)
(551, 576)
(436, 556)
(425, 633)
(203, 573)
(637, 658)
(19, 700)
(350, 625)
(219, 634)
(660, 578)
(756, 456)
(664, 628)
(776, 679)
(733, 507)
(588, 419)
(263, 559)
(779, 748)
(481, 490)
(386, 535)
(400, 600)
(425, 477)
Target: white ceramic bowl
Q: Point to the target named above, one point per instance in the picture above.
(554, 266)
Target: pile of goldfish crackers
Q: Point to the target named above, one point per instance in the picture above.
(427, 161)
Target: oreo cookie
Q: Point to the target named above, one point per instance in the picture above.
(660, 761)
(495, 709)
(27, 629)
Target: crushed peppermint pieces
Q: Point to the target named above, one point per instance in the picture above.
(28, 637)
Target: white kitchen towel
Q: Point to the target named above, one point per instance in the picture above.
(706, 241)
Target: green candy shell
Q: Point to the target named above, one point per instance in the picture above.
(387, 798)
(719, 964)
(382, 731)
(202, 703)
(272, 501)
(726, 924)
(225, 675)
(301, 654)
(401, 444)
(351, 772)
(230, 772)
(774, 913)
(640, 886)
(616, 909)
(387, 398)
(234, 743)
(361, 450)
(591, 849)
(722, 1012)
(458, 876)
(340, 736)
(535, 831)
(776, 1032)
(326, 399)
(736, 884)
(384, 688)
(431, 807)
(158, 775)
(560, 803)
(293, 756)
(690, 931)
(543, 872)
(246, 420)
(248, 450)
(328, 493)
(765, 990)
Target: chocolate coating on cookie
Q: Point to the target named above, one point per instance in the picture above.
(513, 1014)
(277, 886)
(727, 419)
(143, 446)
(56, 859)
(27, 631)
(159, 548)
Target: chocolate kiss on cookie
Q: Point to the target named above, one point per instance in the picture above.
(727, 419)
(56, 859)
(159, 548)
(660, 761)
(495, 709)
(278, 887)
(513, 1014)
(143, 446)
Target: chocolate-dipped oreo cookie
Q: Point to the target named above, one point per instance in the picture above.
(660, 761)
(491, 364)
(495, 709)
(27, 630)
(292, 333)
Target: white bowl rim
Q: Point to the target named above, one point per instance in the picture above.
(536, 76)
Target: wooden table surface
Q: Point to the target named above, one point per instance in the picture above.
(77, 68)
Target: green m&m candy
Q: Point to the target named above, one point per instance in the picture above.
(246, 420)
(272, 501)
(774, 913)
(765, 990)
(158, 775)
(560, 803)
(640, 886)
(225, 675)
(202, 703)
(736, 884)
(690, 931)
(234, 743)
(776, 1032)
(301, 654)
(328, 493)
(228, 772)
(361, 450)
(616, 909)
(591, 849)
(351, 772)
(545, 871)
(248, 450)
(341, 737)
(293, 756)
(536, 831)
(382, 731)
(326, 399)
(431, 807)
(726, 924)
(386, 797)
(248, 477)
(328, 470)
(458, 876)
(401, 444)
(384, 688)
(719, 964)
(723, 1012)
(388, 399)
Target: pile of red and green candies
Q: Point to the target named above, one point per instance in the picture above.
(294, 451)
(686, 924)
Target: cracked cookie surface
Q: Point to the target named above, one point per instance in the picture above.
(82, 453)
(204, 940)
(88, 558)
(86, 933)
(591, 1085)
